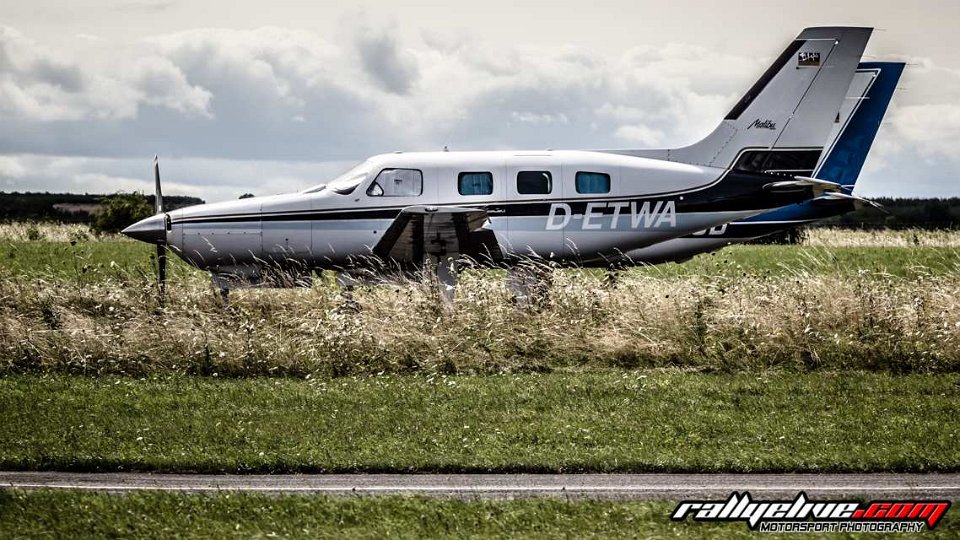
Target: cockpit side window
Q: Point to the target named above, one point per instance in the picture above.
(346, 182)
(397, 183)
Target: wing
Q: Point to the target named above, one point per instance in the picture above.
(439, 230)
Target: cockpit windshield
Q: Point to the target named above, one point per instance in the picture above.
(346, 182)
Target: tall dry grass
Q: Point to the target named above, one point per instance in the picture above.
(51, 231)
(815, 236)
(800, 321)
(833, 237)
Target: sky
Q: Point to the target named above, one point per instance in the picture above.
(271, 97)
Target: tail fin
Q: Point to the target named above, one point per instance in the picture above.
(791, 107)
(858, 122)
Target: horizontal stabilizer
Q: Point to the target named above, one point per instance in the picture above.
(802, 182)
(859, 201)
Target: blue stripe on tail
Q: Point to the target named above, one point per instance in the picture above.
(847, 156)
(845, 160)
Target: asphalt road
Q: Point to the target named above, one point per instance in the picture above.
(606, 486)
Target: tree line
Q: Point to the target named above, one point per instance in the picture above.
(115, 209)
(104, 213)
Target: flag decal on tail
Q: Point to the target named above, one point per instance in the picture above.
(809, 59)
(764, 80)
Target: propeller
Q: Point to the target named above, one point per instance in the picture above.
(162, 240)
(153, 230)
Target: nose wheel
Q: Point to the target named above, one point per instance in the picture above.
(221, 285)
(347, 284)
(445, 270)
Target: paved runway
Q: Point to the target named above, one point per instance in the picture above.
(606, 486)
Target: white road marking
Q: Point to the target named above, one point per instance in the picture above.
(597, 485)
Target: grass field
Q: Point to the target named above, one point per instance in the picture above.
(840, 355)
(115, 258)
(560, 422)
(164, 515)
(240, 515)
(92, 309)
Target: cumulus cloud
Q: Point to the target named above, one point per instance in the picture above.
(641, 135)
(917, 151)
(933, 129)
(271, 95)
(37, 85)
(925, 117)
(11, 168)
(210, 179)
(276, 93)
(161, 83)
(392, 67)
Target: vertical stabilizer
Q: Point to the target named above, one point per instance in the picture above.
(784, 119)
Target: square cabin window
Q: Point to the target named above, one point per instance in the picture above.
(593, 182)
(475, 183)
(397, 183)
(534, 182)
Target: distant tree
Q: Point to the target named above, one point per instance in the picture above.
(68, 207)
(119, 211)
(247, 196)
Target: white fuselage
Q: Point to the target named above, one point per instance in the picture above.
(642, 204)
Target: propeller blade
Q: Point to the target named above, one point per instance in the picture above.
(158, 202)
(162, 242)
(162, 269)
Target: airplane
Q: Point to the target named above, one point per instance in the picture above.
(855, 129)
(403, 211)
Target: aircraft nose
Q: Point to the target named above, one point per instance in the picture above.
(152, 230)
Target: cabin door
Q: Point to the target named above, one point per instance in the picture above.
(534, 195)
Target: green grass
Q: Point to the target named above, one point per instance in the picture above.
(818, 316)
(608, 421)
(84, 261)
(98, 260)
(45, 514)
(746, 309)
(774, 260)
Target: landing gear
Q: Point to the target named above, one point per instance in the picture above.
(611, 277)
(225, 297)
(445, 270)
(529, 284)
(347, 284)
(222, 285)
(438, 272)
